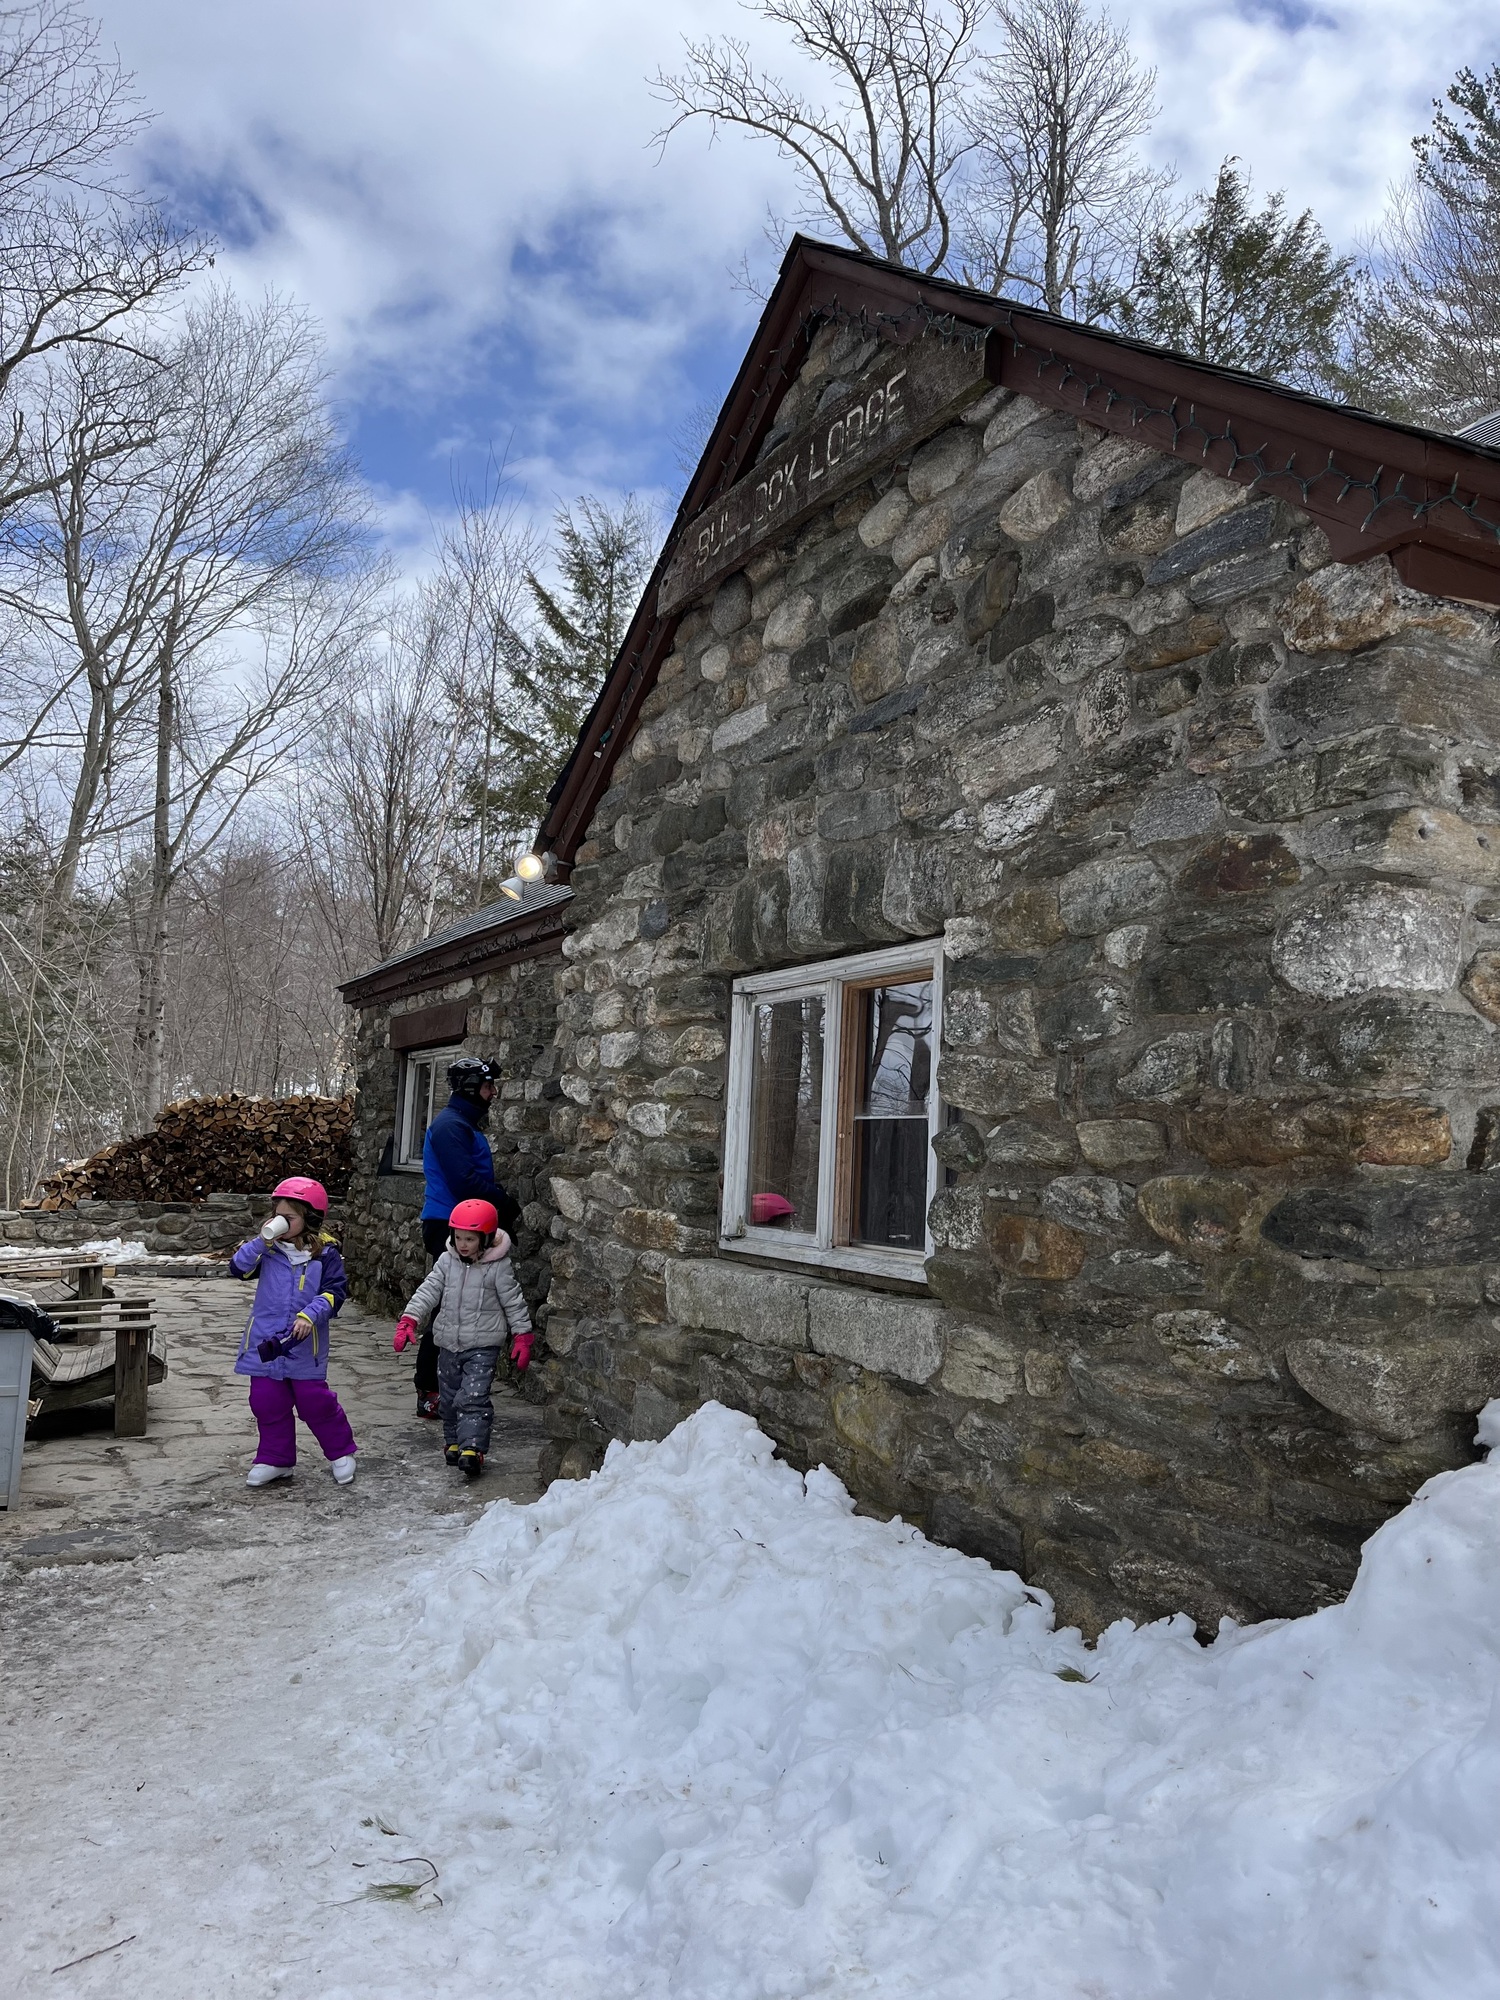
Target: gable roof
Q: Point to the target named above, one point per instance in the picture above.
(501, 932)
(1429, 500)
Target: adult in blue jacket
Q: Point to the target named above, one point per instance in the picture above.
(459, 1166)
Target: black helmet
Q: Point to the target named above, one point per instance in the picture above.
(467, 1075)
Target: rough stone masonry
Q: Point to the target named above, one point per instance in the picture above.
(509, 1017)
(1210, 828)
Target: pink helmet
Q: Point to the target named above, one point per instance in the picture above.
(770, 1208)
(297, 1187)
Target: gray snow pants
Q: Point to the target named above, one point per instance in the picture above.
(464, 1392)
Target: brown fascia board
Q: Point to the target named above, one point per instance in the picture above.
(1428, 500)
(482, 951)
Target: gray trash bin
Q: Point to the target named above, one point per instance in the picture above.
(15, 1387)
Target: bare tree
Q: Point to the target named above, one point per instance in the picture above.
(879, 158)
(58, 1049)
(488, 553)
(1432, 333)
(193, 533)
(209, 580)
(220, 737)
(372, 808)
(1057, 198)
(81, 255)
(252, 999)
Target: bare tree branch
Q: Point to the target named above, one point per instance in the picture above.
(1058, 199)
(880, 159)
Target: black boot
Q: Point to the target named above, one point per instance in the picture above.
(450, 1454)
(471, 1462)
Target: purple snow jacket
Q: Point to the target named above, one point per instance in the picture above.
(284, 1289)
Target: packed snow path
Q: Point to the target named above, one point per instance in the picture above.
(695, 1729)
(160, 1762)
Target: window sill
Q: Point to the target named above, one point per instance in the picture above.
(407, 1167)
(907, 1265)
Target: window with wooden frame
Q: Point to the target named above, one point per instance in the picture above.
(422, 1081)
(832, 1111)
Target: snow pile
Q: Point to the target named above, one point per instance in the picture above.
(115, 1250)
(694, 1729)
(112, 1249)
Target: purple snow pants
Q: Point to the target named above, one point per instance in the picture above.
(273, 1402)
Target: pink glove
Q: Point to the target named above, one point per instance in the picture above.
(520, 1351)
(406, 1332)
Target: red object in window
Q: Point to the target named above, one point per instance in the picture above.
(770, 1208)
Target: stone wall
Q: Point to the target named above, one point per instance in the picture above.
(167, 1228)
(1211, 829)
(511, 1019)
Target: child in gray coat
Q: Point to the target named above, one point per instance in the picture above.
(472, 1298)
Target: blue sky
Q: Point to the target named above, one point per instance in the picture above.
(465, 195)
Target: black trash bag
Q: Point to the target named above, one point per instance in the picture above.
(17, 1311)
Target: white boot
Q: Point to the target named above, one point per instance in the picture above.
(262, 1475)
(343, 1469)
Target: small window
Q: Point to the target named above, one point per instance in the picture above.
(832, 1112)
(421, 1071)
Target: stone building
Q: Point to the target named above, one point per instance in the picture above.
(483, 985)
(1026, 1024)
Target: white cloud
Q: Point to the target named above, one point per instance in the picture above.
(425, 171)
(465, 195)
(1322, 99)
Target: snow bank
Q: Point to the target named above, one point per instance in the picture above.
(113, 1249)
(693, 1728)
(116, 1250)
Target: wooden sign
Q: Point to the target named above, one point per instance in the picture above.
(917, 390)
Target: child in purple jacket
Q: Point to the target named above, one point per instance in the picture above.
(300, 1286)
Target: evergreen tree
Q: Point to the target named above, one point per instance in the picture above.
(1246, 287)
(555, 666)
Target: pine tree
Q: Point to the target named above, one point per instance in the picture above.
(1248, 288)
(554, 668)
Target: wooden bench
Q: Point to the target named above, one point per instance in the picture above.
(85, 1273)
(118, 1351)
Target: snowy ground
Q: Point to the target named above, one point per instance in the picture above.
(154, 1619)
(693, 1729)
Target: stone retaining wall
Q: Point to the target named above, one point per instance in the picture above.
(1211, 830)
(167, 1228)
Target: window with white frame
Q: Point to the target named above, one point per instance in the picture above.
(421, 1084)
(832, 1111)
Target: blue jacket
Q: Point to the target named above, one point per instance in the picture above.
(283, 1290)
(457, 1161)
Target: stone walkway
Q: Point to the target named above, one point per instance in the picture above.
(88, 1496)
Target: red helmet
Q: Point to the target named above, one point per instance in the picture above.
(480, 1215)
(297, 1187)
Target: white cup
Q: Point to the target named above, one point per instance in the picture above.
(274, 1228)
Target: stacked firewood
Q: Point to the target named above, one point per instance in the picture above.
(216, 1145)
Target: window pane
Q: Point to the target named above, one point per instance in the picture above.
(418, 1107)
(891, 1141)
(786, 1096)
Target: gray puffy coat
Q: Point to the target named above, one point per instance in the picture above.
(476, 1305)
